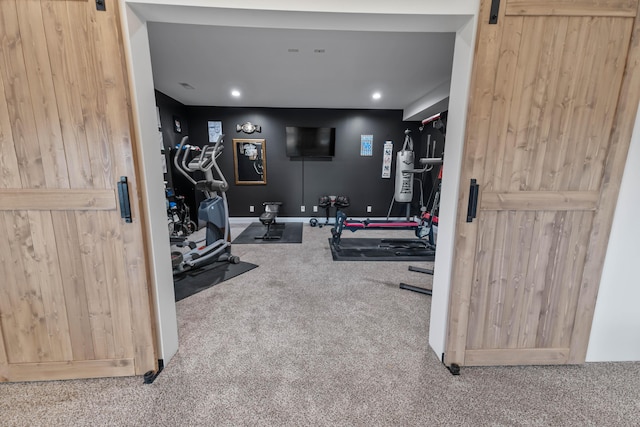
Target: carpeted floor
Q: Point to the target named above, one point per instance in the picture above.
(304, 340)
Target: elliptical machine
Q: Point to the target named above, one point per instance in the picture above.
(213, 211)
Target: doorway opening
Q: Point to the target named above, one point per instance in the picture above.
(461, 22)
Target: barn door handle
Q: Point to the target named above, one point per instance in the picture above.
(493, 13)
(473, 200)
(123, 197)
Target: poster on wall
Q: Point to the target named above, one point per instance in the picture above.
(366, 145)
(177, 124)
(163, 159)
(215, 130)
(386, 159)
(161, 140)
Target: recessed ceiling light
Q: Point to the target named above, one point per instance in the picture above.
(186, 85)
(235, 93)
(376, 95)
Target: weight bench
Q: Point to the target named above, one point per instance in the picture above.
(268, 218)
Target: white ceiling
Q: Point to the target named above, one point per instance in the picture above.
(404, 66)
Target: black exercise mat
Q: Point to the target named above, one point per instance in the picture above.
(203, 278)
(360, 249)
(289, 232)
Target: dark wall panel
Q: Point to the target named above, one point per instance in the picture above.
(298, 182)
(170, 108)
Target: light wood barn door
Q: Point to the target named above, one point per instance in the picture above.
(74, 293)
(553, 101)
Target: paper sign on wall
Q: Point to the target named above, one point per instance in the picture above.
(163, 159)
(366, 145)
(386, 159)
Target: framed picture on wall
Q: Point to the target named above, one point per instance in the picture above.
(250, 162)
(215, 130)
(177, 125)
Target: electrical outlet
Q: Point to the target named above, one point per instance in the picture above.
(302, 208)
(251, 208)
(315, 209)
(369, 209)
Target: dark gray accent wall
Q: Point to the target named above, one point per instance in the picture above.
(297, 182)
(170, 108)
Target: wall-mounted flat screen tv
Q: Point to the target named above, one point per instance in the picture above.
(310, 141)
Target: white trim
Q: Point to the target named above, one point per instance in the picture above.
(401, 15)
(139, 60)
(452, 168)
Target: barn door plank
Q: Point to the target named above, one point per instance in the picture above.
(65, 59)
(9, 173)
(67, 242)
(43, 94)
(49, 281)
(18, 99)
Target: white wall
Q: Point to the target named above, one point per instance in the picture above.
(353, 15)
(398, 7)
(457, 115)
(615, 333)
(434, 102)
(144, 106)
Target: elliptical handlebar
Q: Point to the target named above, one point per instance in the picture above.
(222, 183)
(204, 162)
(176, 159)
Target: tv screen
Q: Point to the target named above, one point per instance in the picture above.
(310, 141)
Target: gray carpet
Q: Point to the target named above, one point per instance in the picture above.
(303, 340)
